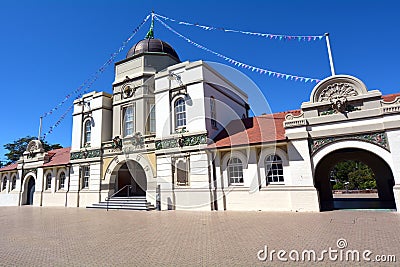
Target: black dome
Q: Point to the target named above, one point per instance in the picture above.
(152, 46)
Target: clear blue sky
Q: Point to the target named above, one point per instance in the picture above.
(48, 48)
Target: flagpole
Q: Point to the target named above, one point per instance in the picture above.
(329, 53)
(40, 128)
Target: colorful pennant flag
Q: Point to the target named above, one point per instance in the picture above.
(271, 36)
(238, 63)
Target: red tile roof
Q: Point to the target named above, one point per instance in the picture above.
(390, 98)
(255, 130)
(58, 156)
(9, 167)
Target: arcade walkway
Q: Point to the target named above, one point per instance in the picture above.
(33, 236)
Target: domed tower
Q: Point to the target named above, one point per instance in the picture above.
(133, 87)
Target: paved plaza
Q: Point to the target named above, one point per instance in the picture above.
(35, 236)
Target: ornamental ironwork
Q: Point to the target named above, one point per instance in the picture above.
(86, 154)
(379, 139)
(192, 140)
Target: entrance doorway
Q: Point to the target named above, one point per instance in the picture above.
(384, 199)
(131, 180)
(30, 191)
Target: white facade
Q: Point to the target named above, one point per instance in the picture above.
(160, 136)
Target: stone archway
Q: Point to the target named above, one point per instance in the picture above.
(383, 176)
(131, 179)
(28, 190)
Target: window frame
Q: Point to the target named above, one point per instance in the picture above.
(213, 113)
(85, 176)
(4, 184)
(48, 182)
(61, 180)
(234, 167)
(177, 121)
(14, 182)
(152, 118)
(125, 122)
(185, 171)
(87, 132)
(273, 165)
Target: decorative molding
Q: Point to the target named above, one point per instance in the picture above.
(191, 140)
(26, 171)
(181, 90)
(347, 109)
(94, 153)
(391, 109)
(117, 143)
(337, 91)
(379, 139)
(136, 142)
(290, 116)
(395, 101)
(294, 123)
(34, 145)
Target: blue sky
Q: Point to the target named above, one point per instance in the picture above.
(49, 48)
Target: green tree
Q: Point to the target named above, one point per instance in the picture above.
(18, 147)
(357, 174)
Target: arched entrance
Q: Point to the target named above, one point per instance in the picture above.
(383, 176)
(131, 180)
(30, 190)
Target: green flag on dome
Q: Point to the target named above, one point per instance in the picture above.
(150, 33)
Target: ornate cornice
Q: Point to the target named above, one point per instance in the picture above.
(26, 171)
(379, 139)
(191, 140)
(94, 153)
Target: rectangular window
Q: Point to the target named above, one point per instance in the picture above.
(152, 118)
(128, 121)
(85, 176)
(213, 113)
(180, 167)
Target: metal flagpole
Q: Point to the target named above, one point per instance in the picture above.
(329, 54)
(40, 128)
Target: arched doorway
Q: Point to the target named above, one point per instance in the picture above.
(131, 180)
(30, 191)
(383, 176)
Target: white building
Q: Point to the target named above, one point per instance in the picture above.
(177, 134)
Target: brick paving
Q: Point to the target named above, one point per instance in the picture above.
(35, 236)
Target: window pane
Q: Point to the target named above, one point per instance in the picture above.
(180, 113)
(62, 180)
(48, 181)
(273, 169)
(152, 118)
(86, 176)
(235, 171)
(88, 132)
(128, 121)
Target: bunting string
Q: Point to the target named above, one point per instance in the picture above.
(87, 83)
(241, 64)
(281, 37)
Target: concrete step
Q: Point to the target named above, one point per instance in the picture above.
(121, 208)
(122, 204)
(132, 197)
(125, 203)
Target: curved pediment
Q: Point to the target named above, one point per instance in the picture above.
(336, 87)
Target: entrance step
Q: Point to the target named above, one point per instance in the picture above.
(124, 203)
